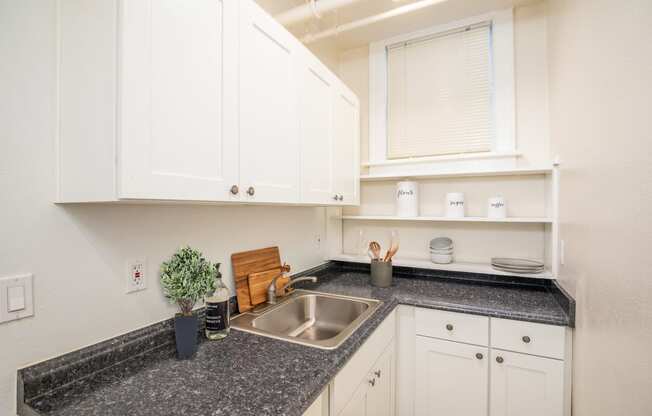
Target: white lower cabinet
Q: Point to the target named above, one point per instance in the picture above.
(453, 364)
(403, 370)
(366, 384)
(319, 407)
(451, 378)
(524, 384)
(375, 393)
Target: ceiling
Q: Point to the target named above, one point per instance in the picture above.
(447, 11)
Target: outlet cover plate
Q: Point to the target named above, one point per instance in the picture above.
(136, 275)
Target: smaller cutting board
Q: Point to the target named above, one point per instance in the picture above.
(259, 282)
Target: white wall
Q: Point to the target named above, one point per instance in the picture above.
(78, 253)
(600, 63)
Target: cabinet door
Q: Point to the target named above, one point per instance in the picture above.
(174, 142)
(316, 119)
(380, 394)
(269, 122)
(451, 378)
(524, 384)
(347, 143)
(357, 405)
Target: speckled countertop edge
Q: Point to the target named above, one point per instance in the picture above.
(333, 279)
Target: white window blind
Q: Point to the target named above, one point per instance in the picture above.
(440, 94)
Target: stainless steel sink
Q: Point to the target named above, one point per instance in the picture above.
(310, 318)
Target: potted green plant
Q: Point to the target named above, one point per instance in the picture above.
(186, 278)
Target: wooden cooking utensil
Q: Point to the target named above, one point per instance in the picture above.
(391, 252)
(375, 249)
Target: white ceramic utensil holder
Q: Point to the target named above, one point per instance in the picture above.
(455, 205)
(497, 207)
(407, 199)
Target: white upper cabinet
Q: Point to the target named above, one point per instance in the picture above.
(269, 119)
(173, 141)
(317, 93)
(203, 100)
(347, 147)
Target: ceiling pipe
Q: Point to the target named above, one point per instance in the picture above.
(315, 8)
(408, 8)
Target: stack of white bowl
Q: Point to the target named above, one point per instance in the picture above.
(441, 250)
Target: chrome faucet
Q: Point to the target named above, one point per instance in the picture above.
(271, 289)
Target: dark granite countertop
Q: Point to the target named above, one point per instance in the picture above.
(247, 374)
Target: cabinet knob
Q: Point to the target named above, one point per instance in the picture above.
(341, 198)
(449, 327)
(526, 339)
(235, 189)
(251, 191)
(372, 382)
(479, 356)
(377, 373)
(499, 359)
(336, 197)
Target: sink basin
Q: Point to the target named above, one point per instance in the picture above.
(310, 318)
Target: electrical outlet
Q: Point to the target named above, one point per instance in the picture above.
(136, 276)
(318, 241)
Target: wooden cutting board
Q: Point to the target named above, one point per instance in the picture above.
(249, 262)
(259, 282)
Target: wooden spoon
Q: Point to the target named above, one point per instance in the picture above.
(391, 252)
(375, 249)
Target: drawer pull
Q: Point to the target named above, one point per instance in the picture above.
(449, 327)
(499, 359)
(479, 356)
(526, 339)
(251, 191)
(372, 382)
(235, 190)
(377, 373)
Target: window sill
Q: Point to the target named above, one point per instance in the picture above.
(467, 156)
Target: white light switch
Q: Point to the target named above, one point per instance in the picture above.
(15, 298)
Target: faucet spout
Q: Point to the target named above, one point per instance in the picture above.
(299, 279)
(271, 289)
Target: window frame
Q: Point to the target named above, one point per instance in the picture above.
(504, 117)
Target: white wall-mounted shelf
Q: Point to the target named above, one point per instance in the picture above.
(456, 266)
(530, 220)
(462, 174)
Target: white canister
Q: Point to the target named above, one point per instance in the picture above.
(455, 205)
(407, 199)
(497, 207)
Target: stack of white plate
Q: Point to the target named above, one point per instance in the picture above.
(524, 266)
(441, 250)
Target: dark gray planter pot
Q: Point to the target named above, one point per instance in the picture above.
(185, 331)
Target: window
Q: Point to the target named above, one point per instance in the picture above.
(444, 93)
(440, 94)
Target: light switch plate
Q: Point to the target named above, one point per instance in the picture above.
(20, 308)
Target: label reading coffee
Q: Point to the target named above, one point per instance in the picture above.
(217, 316)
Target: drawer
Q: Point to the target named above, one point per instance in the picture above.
(528, 337)
(347, 380)
(460, 327)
